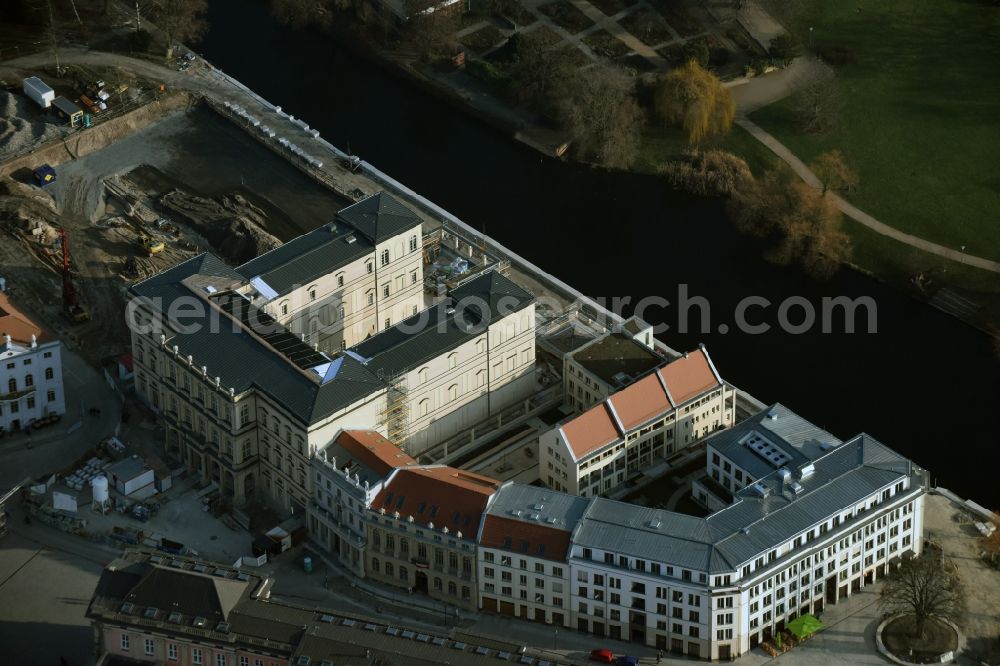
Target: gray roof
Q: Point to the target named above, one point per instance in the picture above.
(445, 326)
(352, 235)
(753, 524)
(242, 360)
(799, 440)
(379, 217)
(554, 509)
(617, 353)
(308, 257)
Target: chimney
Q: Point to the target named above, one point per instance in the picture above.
(34, 341)
(6, 338)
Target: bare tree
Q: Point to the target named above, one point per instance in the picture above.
(537, 69)
(818, 105)
(180, 21)
(599, 109)
(923, 587)
(431, 31)
(802, 226)
(832, 170)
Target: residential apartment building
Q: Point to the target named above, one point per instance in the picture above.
(31, 381)
(606, 364)
(796, 539)
(772, 439)
(346, 280)
(422, 531)
(523, 552)
(247, 403)
(349, 474)
(637, 427)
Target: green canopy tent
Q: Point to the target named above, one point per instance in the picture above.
(804, 625)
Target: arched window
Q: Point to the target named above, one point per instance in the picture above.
(12, 385)
(389, 569)
(452, 588)
(453, 392)
(422, 375)
(29, 380)
(437, 584)
(376, 565)
(423, 407)
(452, 360)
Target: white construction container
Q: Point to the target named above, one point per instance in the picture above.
(39, 93)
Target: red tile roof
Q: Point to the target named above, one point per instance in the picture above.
(590, 431)
(641, 402)
(373, 451)
(16, 324)
(445, 496)
(531, 539)
(688, 377)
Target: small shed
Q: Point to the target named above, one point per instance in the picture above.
(68, 111)
(37, 91)
(133, 478)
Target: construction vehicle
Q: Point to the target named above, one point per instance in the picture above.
(71, 300)
(152, 245)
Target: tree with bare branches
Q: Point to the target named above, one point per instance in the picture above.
(818, 105)
(832, 170)
(923, 587)
(802, 226)
(302, 13)
(180, 21)
(600, 111)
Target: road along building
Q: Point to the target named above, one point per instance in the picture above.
(247, 402)
(31, 381)
(635, 429)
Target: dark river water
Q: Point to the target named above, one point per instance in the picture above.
(925, 384)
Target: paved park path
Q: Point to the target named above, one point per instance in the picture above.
(765, 90)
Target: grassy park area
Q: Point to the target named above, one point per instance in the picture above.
(920, 102)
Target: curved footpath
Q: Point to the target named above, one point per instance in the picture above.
(753, 94)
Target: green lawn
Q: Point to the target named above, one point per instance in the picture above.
(661, 144)
(921, 114)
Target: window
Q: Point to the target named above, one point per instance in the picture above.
(423, 407)
(196, 656)
(452, 360)
(49, 373)
(388, 323)
(340, 280)
(371, 298)
(149, 646)
(413, 243)
(220, 660)
(413, 277)
(172, 651)
(385, 257)
(244, 661)
(385, 290)
(12, 385)
(284, 308)
(370, 266)
(312, 294)
(453, 392)
(125, 642)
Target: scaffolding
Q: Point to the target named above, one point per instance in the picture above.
(396, 416)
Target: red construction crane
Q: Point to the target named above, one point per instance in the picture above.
(71, 301)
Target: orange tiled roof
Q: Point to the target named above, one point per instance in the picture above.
(689, 376)
(15, 324)
(445, 496)
(518, 536)
(374, 451)
(590, 431)
(638, 403)
(641, 402)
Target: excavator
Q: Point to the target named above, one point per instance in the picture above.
(71, 300)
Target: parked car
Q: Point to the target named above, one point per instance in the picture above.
(603, 655)
(627, 660)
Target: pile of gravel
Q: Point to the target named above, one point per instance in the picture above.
(22, 125)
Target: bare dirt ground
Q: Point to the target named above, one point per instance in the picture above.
(952, 529)
(238, 200)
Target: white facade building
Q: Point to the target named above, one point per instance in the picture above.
(31, 381)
